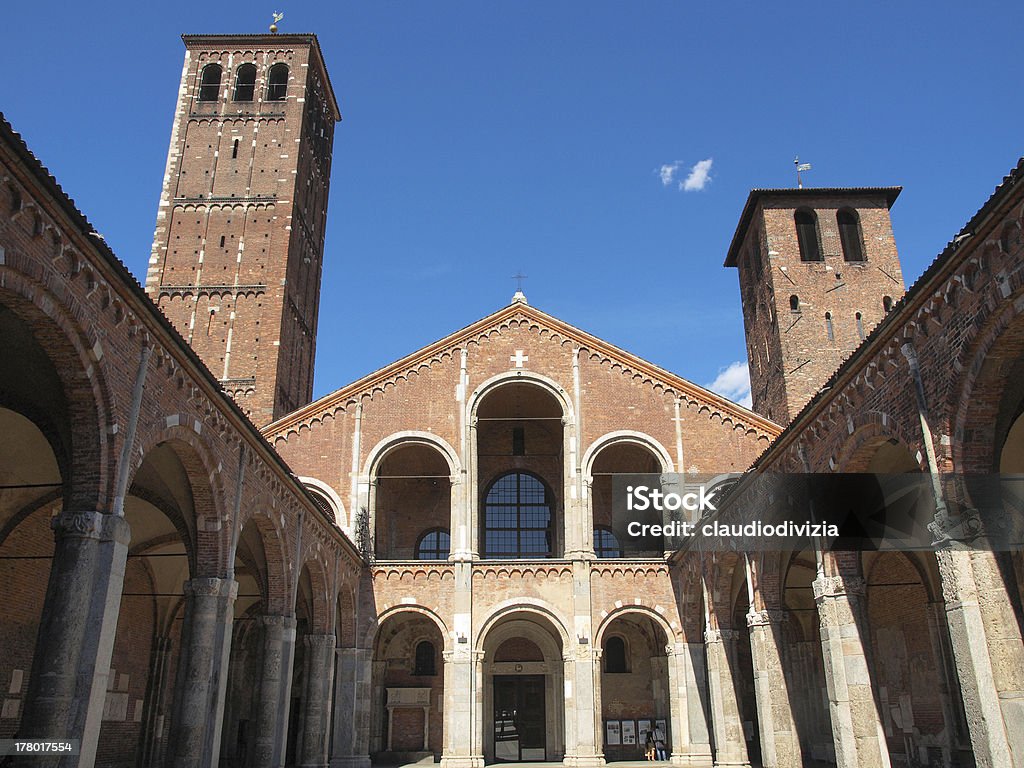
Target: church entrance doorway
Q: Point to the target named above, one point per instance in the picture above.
(519, 718)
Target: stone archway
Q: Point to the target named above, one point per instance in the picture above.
(523, 702)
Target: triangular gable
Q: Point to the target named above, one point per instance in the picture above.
(521, 310)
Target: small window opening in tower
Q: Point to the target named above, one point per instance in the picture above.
(209, 83)
(886, 303)
(807, 235)
(222, 241)
(277, 82)
(850, 234)
(828, 327)
(234, 150)
(860, 325)
(245, 82)
(794, 303)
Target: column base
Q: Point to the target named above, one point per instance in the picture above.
(692, 759)
(584, 761)
(462, 761)
(351, 761)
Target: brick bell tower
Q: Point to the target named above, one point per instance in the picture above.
(818, 271)
(239, 243)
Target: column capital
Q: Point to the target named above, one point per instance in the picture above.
(274, 620)
(765, 618)
(320, 642)
(837, 586)
(211, 587)
(720, 635)
(91, 525)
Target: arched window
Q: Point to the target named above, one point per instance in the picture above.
(605, 543)
(828, 327)
(860, 325)
(517, 517)
(849, 234)
(794, 303)
(615, 655)
(277, 82)
(886, 303)
(434, 545)
(807, 235)
(209, 82)
(245, 83)
(425, 665)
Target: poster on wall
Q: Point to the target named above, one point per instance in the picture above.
(660, 724)
(611, 729)
(628, 732)
(642, 727)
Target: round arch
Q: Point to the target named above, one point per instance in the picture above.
(332, 497)
(373, 631)
(640, 610)
(525, 605)
(522, 377)
(406, 438)
(630, 437)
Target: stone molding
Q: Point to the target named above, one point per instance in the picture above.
(837, 586)
(211, 587)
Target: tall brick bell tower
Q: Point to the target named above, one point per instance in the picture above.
(818, 271)
(238, 249)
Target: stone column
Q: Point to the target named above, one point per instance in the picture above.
(460, 748)
(688, 733)
(351, 709)
(316, 701)
(974, 664)
(726, 723)
(201, 679)
(68, 683)
(779, 745)
(584, 741)
(271, 692)
(856, 726)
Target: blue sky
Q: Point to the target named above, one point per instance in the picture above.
(484, 138)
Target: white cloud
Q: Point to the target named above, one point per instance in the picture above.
(733, 382)
(699, 177)
(668, 172)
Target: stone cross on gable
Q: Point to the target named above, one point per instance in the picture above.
(519, 358)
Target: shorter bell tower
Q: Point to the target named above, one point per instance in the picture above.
(818, 271)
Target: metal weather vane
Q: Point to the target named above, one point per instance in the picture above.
(800, 167)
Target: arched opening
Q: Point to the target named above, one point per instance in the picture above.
(850, 236)
(245, 82)
(435, 544)
(254, 569)
(277, 82)
(412, 496)
(524, 704)
(624, 457)
(301, 681)
(807, 236)
(911, 679)
(794, 303)
(743, 668)
(520, 472)
(634, 685)
(209, 82)
(408, 692)
(30, 493)
(145, 668)
(803, 661)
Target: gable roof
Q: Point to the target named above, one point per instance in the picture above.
(682, 386)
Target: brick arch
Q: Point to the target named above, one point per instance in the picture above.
(544, 383)
(88, 464)
(630, 437)
(373, 632)
(321, 619)
(871, 430)
(411, 437)
(209, 499)
(720, 578)
(637, 610)
(272, 538)
(345, 624)
(979, 398)
(527, 605)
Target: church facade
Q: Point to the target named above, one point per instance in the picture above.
(426, 563)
